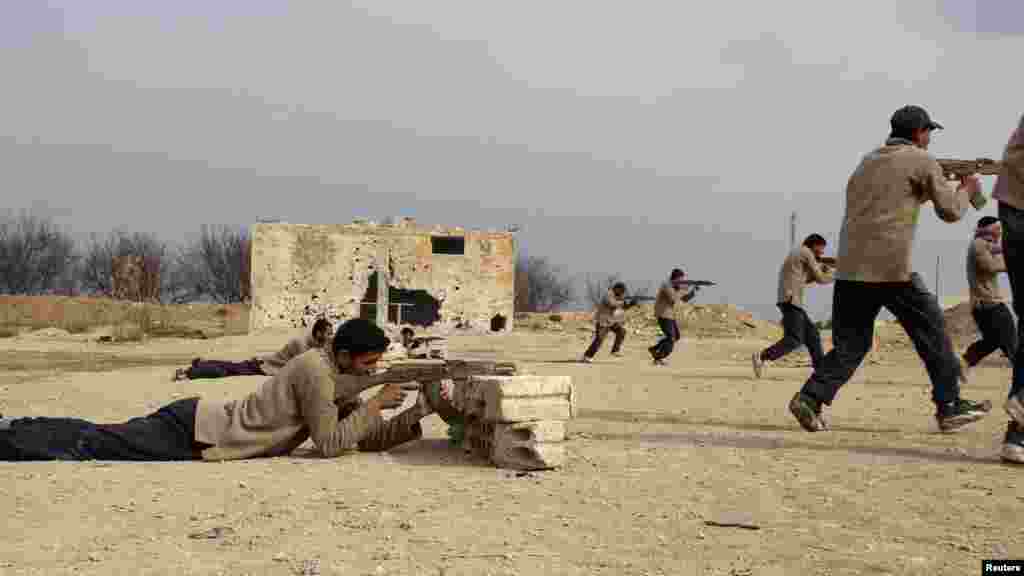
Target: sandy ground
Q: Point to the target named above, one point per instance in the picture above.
(655, 453)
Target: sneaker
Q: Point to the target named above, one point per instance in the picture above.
(1015, 407)
(617, 354)
(180, 374)
(807, 411)
(758, 363)
(660, 362)
(961, 413)
(586, 360)
(1013, 444)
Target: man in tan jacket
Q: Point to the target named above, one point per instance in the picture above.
(315, 396)
(800, 268)
(884, 196)
(988, 306)
(609, 315)
(1009, 191)
(265, 366)
(669, 294)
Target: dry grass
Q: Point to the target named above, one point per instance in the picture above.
(128, 321)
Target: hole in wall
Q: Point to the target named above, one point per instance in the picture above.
(418, 307)
(498, 323)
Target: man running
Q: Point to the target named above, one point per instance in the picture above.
(988, 306)
(669, 294)
(884, 196)
(800, 267)
(266, 366)
(609, 315)
(1009, 191)
(316, 395)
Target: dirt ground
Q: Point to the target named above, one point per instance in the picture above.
(655, 453)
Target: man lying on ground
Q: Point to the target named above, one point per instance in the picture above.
(316, 395)
(265, 366)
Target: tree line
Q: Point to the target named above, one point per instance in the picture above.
(38, 257)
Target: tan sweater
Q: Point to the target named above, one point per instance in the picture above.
(983, 268)
(800, 268)
(883, 204)
(666, 300)
(610, 310)
(297, 345)
(1010, 184)
(301, 401)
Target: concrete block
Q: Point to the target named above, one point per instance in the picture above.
(521, 398)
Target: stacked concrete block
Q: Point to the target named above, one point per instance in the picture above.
(519, 421)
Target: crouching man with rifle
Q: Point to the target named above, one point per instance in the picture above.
(609, 316)
(670, 294)
(804, 265)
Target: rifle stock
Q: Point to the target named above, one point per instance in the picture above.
(829, 260)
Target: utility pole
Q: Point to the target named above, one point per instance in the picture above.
(792, 230)
(938, 293)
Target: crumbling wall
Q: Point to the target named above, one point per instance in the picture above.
(303, 271)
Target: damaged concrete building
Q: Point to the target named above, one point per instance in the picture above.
(395, 274)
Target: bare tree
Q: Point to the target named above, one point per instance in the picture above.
(540, 286)
(96, 268)
(212, 267)
(35, 255)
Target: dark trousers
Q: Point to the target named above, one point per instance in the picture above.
(165, 435)
(664, 347)
(1013, 253)
(600, 332)
(223, 369)
(797, 330)
(855, 306)
(998, 332)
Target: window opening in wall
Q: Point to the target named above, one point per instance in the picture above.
(455, 245)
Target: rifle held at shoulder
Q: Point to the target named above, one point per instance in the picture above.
(953, 168)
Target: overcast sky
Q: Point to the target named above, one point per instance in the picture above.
(621, 136)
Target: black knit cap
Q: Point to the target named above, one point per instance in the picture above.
(359, 336)
(910, 118)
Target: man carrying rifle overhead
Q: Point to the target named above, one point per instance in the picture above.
(608, 317)
(801, 266)
(670, 294)
(884, 196)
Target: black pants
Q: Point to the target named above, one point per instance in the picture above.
(855, 306)
(600, 332)
(223, 369)
(998, 332)
(797, 330)
(1013, 253)
(167, 434)
(664, 347)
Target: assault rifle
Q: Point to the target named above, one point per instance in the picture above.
(954, 169)
(828, 261)
(410, 373)
(700, 283)
(421, 340)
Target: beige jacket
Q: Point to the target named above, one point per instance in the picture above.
(801, 267)
(883, 204)
(301, 401)
(610, 310)
(1010, 183)
(983, 268)
(666, 300)
(273, 363)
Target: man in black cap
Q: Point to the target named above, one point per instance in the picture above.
(884, 196)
